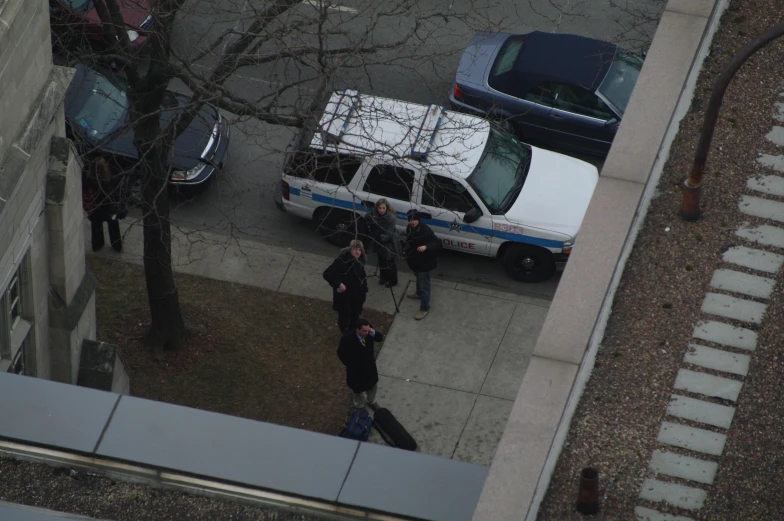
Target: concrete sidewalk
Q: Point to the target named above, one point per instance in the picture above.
(451, 379)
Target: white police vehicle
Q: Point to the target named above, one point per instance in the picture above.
(484, 192)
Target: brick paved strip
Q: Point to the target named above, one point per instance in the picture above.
(738, 282)
(717, 359)
(646, 514)
(734, 308)
(726, 335)
(754, 259)
(767, 184)
(774, 162)
(685, 467)
(701, 411)
(764, 234)
(708, 384)
(681, 496)
(776, 135)
(691, 438)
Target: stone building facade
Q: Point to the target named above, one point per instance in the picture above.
(47, 303)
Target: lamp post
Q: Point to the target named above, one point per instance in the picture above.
(690, 207)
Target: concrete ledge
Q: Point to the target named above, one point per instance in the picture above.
(538, 426)
(233, 458)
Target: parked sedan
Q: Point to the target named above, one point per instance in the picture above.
(97, 119)
(563, 90)
(74, 20)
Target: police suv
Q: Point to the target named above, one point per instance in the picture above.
(484, 192)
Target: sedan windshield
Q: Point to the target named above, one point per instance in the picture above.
(501, 172)
(620, 80)
(102, 109)
(81, 6)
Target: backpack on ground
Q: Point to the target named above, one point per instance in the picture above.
(391, 431)
(357, 426)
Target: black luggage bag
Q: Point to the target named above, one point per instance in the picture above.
(391, 431)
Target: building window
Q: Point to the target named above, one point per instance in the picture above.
(15, 355)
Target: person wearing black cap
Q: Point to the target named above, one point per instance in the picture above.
(421, 253)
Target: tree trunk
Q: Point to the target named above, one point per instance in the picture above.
(167, 330)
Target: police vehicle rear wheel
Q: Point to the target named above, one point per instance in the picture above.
(336, 227)
(528, 263)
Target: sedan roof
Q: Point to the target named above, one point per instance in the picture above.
(565, 58)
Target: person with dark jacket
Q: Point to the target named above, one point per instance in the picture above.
(347, 277)
(381, 226)
(421, 252)
(356, 353)
(103, 201)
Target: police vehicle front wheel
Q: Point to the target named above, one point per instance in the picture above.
(336, 227)
(528, 263)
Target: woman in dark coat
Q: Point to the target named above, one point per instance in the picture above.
(103, 201)
(381, 224)
(347, 277)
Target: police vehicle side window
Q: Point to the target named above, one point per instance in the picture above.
(446, 193)
(325, 167)
(390, 181)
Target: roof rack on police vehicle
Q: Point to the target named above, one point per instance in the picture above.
(344, 108)
(427, 132)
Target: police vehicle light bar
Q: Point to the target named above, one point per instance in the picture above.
(344, 108)
(427, 132)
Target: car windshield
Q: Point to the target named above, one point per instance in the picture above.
(102, 110)
(617, 86)
(81, 6)
(501, 172)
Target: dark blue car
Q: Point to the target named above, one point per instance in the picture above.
(561, 90)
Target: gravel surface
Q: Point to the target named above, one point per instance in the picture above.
(658, 304)
(62, 490)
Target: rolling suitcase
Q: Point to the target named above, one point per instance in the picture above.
(391, 431)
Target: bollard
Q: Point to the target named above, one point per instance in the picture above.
(588, 497)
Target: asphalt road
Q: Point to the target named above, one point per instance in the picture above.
(240, 200)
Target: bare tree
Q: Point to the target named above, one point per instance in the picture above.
(307, 47)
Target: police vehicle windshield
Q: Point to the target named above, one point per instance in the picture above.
(501, 172)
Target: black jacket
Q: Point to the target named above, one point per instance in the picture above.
(351, 272)
(361, 371)
(422, 235)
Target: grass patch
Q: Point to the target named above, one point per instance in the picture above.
(255, 353)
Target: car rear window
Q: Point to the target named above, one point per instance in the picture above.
(507, 56)
(501, 75)
(325, 167)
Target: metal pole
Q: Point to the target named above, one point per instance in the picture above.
(690, 207)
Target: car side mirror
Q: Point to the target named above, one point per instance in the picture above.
(611, 123)
(472, 215)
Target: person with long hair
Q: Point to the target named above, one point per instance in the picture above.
(348, 279)
(103, 202)
(381, 225)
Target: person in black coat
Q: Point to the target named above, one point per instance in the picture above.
(356, 353)
(347, 277)
(421, 252)
(103, 201)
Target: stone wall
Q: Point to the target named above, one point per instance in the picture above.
(40, 195)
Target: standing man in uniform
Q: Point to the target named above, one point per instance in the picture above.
(421, 252)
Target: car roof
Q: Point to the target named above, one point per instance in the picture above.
(389, 128)
(565, 58)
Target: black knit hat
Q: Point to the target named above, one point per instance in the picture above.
(415, 215)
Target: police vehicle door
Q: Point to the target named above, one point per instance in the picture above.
(448, 200)
(395, 183)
